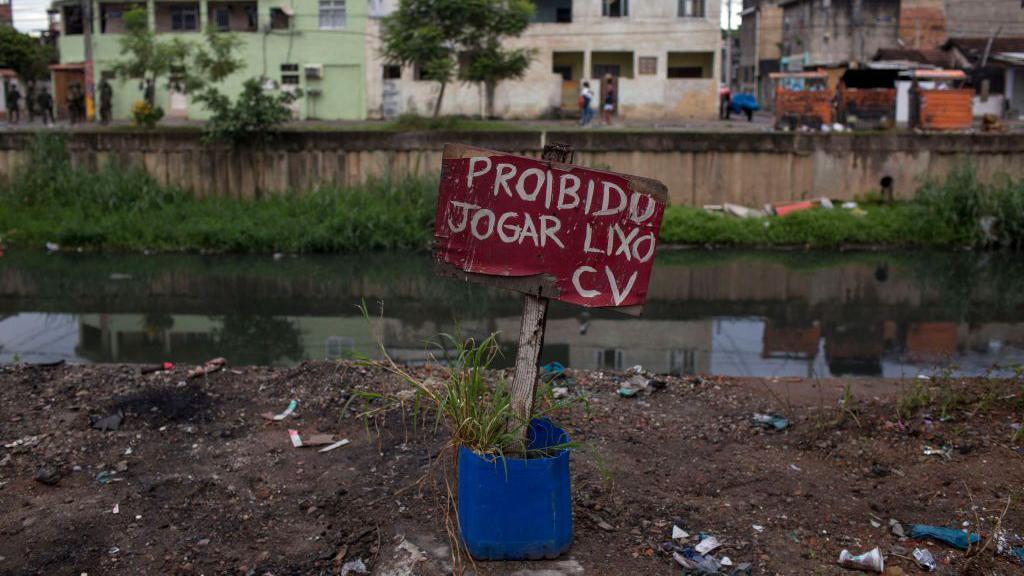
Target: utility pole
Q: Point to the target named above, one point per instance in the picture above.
(87, 38)
(728, 44)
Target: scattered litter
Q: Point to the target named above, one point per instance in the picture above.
(770, 421)
(869, 561)
(210, 367)
(107, 476)
(627, 392)
(48, 475)
(117, 509)
(319, 440)
(605, 526)
(23, 441)
(337, 444)
(952, 536)
(696, 562)
(725, 561)
(1018, 553)
(296, 439)
(638, 369)
(52, 247)
(678, 533)
(552, 371)
(108, 423)
(707, 545)
(742, 211)
(164, 367)
(560, 392)
(946, 451)
(897, 529)
(860, 212)
(354, 567)
(287, 412)
(923, 377)
(924, 558)
(114, 551)
(128, 451)
(758, 528)
(5, 459)
(795, 468)
(785, 209)
(849, 205)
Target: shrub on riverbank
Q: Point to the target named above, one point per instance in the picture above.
(125, 209)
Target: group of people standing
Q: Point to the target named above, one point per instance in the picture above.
(42, 104)
(36, 104)
(608, 106)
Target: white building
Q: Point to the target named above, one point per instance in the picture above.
(663, 53)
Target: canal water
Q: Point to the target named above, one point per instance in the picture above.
(731, 313)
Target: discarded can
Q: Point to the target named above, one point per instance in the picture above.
(924, 558)
(869, 561)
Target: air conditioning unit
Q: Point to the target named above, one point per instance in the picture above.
(314, 71)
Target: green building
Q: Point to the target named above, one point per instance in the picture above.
(313, 45)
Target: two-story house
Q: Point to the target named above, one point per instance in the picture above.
(313, 45)
(760, 48)
(663, 55)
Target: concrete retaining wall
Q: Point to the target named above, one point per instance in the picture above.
(699, 168)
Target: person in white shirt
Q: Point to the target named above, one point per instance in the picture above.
(586, 96)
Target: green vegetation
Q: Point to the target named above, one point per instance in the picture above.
(453, 39)
(29, 57)
(119, 208)
(124, 209)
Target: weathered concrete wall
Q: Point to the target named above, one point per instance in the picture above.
(699, 168)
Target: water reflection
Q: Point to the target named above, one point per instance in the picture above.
(719, 313)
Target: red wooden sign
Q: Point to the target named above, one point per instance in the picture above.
(551, 230)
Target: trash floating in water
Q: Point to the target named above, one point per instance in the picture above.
(952, 536)
(871, 561)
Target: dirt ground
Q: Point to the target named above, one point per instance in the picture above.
(196, 481)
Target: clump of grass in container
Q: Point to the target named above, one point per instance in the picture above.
(476, 412)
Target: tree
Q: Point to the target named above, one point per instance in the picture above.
(251, 117)
(27, 56)
(146, 57)
(491, 22)
(432, 34)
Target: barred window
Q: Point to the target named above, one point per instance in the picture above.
(332, 14)
(691, 8)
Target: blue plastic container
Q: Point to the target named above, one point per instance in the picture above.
(516, 509)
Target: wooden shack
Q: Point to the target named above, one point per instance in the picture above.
(939, 100)
(867, 98)
(802, 99)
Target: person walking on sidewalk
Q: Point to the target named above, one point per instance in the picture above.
(586, 97)
(610, 102)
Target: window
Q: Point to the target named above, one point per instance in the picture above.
(73, 22)
(564, 71)
(691, 8)
(184, 18)
(615, 8)
(222, 16)
(563, 15)
(609, 359)
(111, 20)
(279, 19)
(685, 72)
(648, 65)
(290, 74)
(392, 72)
(332, 14)
(251, 16)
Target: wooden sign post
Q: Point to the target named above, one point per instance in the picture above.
(548, 229)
